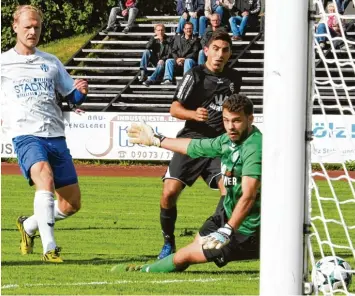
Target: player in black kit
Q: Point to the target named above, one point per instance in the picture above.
(198, 100)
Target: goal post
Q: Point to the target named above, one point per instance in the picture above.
(284, 147)
(309, 117)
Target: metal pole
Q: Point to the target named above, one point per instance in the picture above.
(284, 127)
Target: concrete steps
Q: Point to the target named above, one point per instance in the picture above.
(110, 61)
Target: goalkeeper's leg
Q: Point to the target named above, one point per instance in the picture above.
(191, 254)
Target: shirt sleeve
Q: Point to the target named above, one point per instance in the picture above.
(252, 161)
(256, 7)
(184, 90)
(205, 147)
(64, 84)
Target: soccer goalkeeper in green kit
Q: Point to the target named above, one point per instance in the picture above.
(232, 232)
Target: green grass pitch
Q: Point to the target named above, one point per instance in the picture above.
(118, 224)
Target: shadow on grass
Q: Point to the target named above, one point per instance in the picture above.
(93, 261)
(85, 228)
(221, 272)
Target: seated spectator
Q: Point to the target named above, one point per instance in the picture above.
(157, 51)
(245, 11)
(262, 26)
(332, 23)
(350, 28)
(215, 24)
(212, 7)
(125, 8)
(190, 10)
(342, 5)
(184, 53)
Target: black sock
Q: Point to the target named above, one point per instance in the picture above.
(167, 222)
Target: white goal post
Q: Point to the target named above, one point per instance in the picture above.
(284, 126)
(309, 85)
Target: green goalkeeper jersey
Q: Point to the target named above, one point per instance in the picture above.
(237, 160)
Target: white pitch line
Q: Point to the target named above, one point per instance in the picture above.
(15, 286)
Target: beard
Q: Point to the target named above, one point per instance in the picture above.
(243, 135)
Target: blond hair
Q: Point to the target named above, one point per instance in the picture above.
(23, 8)
(159, 25)
(331, 4)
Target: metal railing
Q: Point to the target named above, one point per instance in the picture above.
(252, 42)
(121, 92)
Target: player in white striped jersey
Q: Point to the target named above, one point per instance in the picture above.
(29, 81)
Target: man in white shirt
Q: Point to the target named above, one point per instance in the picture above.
(29, 80)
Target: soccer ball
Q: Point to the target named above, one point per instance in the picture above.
(329, 274)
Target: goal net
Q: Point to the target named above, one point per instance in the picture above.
(331, 204)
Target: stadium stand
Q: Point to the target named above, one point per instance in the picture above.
(110, 63)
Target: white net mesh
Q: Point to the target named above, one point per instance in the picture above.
(332, 203)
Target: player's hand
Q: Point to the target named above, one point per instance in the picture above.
(144, 134)
(201, 114)
(184, 15)
(245, 13)
(194, 15)
(81, 85)
(161, 63)
(217, 239)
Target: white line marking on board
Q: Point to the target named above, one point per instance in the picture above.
(15, 286)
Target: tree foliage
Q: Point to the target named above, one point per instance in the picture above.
(66, 18)
(61, 18)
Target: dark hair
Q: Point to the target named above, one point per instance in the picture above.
(220, 34)
(188, 23)
(237, 103)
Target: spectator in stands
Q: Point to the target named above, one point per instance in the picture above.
(125, 8)
(212, 7)
(215, 24)
(342, 5)
(157, 51)
(331, 22)
(262, 25)
(184, 52)
(262, 20)
(245, 12)
(350, 28)
(190, 10)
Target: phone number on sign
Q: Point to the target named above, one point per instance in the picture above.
(153, 155)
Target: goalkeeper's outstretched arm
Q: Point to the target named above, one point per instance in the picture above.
(176, 145)
(144, 134)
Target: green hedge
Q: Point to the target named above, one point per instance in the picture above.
(66, 18)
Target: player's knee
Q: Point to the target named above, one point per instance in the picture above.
(180, 258)
(75, 204)
(71, 207)
(169, 197)
(183, 258)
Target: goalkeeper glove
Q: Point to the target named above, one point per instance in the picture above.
(217, 239)
(144, 134)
